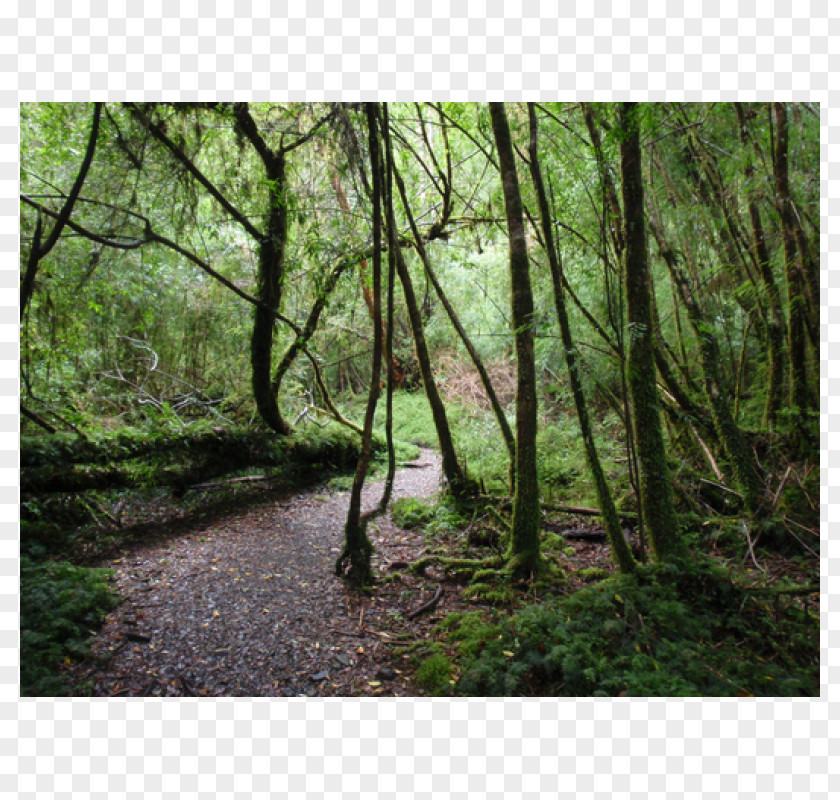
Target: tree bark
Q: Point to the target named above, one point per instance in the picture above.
(354, 561)
(455, 477)
(395, 375)
(524, 553)
(657, 500)
(797, 312)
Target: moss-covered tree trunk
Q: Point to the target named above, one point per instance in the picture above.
(620, 548)
(269, 274)
(354, 560)
(657, 499)
(524, 553)
(271, 254)
(800, 399)
(393, 373)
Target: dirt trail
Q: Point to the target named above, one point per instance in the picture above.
(249, 605)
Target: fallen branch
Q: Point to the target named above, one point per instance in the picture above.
(779, 490)
(427, 606)
(585, 534)
(586, 512)
(750, 549)
(801, 483)
(244, 479)
(785, 521)
(719, 486)
(363, 634)
(36, 419)
(791, 590)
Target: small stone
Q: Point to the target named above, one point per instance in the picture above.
(320, 676)
(385, 674)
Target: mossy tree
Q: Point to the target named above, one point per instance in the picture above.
(524, 553)
(657, 498)
(354, 561)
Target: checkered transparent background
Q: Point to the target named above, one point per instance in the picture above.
(471, 50)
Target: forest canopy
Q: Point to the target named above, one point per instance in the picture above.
(608, 308)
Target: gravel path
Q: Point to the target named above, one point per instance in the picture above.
(249, 605)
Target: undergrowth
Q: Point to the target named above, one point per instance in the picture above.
(61, 606)
(668, 631)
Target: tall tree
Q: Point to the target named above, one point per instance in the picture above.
(524, 553)
(800, 397)
(271, 240)
(657, 499)
(354, 560)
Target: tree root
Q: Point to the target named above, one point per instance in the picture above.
(429, 605)
(463, 566)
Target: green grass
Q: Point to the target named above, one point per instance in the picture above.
(563, 471)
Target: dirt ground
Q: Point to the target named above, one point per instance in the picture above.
(250, 605)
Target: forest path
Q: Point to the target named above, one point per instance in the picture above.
(250, 605)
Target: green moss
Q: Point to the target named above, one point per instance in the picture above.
(435, 674)
(409, 513)
(591, 574)
(672, 630)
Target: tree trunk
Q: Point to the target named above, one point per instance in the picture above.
(620, 548)
(524, 553)
(354, 561)
(394, 376)
(799, 394)
(269, 272)
(657, 500)
(396, 369)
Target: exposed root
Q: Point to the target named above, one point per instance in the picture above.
(464, 567)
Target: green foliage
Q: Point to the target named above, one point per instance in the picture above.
(669, 631)
(412, 419)
(592, 574)
(61, 606)
(434, 674)
(437, 519)
(409, 513)
(155, 468)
